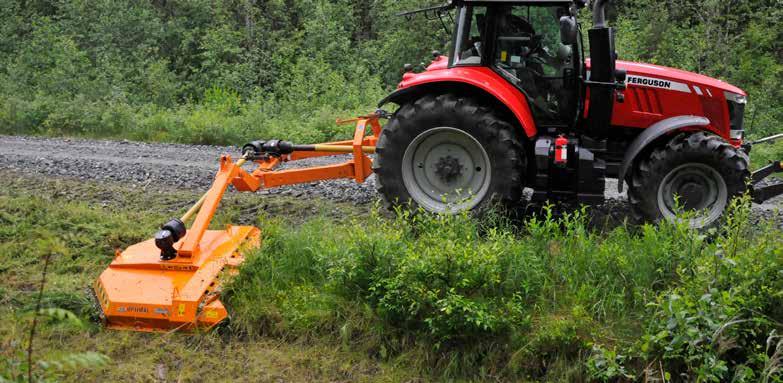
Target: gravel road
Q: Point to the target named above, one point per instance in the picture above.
(139, 165)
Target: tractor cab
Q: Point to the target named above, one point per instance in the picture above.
(535, 48)
(533, 45)
(513, 67)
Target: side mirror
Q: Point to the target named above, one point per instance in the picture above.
(569, 31)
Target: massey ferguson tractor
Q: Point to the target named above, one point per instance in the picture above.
(515, 104)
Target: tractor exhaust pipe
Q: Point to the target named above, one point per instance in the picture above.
(599, 13)
(604, 79)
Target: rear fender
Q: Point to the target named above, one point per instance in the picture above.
(473, 81)
(653, 133)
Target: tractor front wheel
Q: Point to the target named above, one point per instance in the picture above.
(698, 173)
(448, 153)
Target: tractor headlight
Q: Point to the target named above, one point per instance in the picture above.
(737, 134)
(736, 103)
(736, 98)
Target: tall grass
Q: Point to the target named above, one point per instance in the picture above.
(221, 119)
(550, 299)
(40, 217)
(459, 297)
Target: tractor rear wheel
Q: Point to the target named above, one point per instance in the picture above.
(448, 153)
(697, 173)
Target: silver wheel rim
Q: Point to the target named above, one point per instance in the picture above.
(446, 170)
(701, 190)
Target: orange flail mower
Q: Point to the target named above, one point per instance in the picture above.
(173, 281)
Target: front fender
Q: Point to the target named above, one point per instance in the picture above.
(651, 134)
(479, 79)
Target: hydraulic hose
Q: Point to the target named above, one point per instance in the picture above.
(767, 139)
(174, 230)
(193, 210)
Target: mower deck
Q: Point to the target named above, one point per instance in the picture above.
(141, 292)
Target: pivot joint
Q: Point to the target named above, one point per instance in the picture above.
(169, 234)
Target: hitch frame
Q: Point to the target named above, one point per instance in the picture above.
(761, 192)
(265, 176)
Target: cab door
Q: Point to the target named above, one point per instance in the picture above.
(528, 52)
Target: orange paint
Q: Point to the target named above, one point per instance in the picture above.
(141, 292)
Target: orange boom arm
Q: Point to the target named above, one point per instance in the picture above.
(172, 281)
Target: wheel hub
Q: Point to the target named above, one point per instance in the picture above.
(695, 188)
(448, 168)
(692, 194)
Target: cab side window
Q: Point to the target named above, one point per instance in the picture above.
(470, 37)
(529, 53)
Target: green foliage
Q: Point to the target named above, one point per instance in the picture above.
(549, 299)
(488, 299)
(15, 367)
(154, 71)
(61, 315)
(40, 216)
(739, 42)
(121, 68)
(51, 370)
(719, 322)
(607, 365)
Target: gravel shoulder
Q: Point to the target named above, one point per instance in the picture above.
(138, 165)
(145, 165)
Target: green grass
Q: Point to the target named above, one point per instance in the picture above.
(376, 298)
(37, 218)
(762, 154)
(457, 298)
(227, 121)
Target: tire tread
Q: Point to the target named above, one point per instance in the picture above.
(504, 146)
(730, 162)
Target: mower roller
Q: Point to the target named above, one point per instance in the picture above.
(173, 281)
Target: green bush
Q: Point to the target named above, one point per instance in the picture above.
(193, 73)
(467, 296)
(719, 322)
(125, 69)
(548, 299)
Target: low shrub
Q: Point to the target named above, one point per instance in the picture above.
(472, 298)
(548, 299)
(720, 321)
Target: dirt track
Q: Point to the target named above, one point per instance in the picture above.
(143, 165)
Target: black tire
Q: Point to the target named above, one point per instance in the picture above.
(698, 164)
(460, 115)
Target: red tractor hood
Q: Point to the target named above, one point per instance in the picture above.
(654, 93)
(646, 70)
(441, 62)
(673, 74)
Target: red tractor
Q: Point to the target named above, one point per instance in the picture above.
(516, 104)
